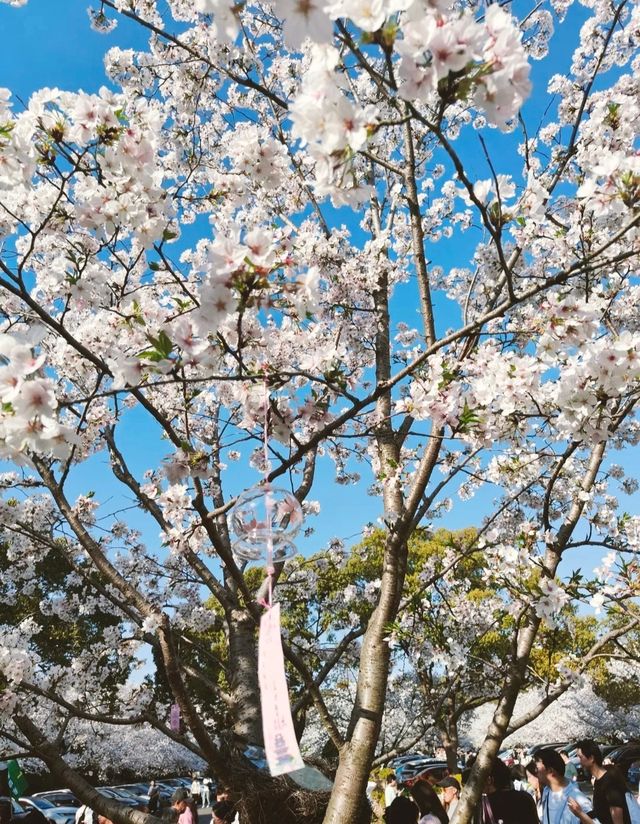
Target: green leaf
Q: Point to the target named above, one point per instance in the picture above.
(138, 317)
(162, 344)
(150, 355)
(468, 418)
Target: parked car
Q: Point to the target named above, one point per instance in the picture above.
(605, 749)
(18, 809)
(23, 814)
(165, 787)
(53, 814)
(432, 773)
(139, 788)
(633, 775)
(623, 757)
(410, 765)
(124, 797)
(401, 759)
(176, 783)
(141, 792)
(169, 785)
(421, 767)
(555, 745)
(59, 798)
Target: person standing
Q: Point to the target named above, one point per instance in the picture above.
(223, 811)
(570, 769)
(85, 815)
(402, 810)
(609, 790)
(534, 789)
(431, 809)
(205, 791)
(556, 789)
(391, 790)
(154, 797)
(450, 794)
(502, 803)
(195, 789)
(179, 810)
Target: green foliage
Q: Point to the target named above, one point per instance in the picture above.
(162, 348)
(58, 641)
(573, 636)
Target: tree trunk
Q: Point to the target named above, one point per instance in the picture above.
(261, 799)
(243, 677)
(68, 777)
(487, 754)
(504, 711)
(357, 753)
(450, 743)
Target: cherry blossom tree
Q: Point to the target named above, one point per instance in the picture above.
(579, 713)
(110, 752)
(226, 246)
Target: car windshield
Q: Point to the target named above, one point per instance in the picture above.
(42, 803)
(63, 800)
(113, 793)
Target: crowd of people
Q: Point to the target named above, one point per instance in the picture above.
(183, 808)
(544, 791)
(184, 805)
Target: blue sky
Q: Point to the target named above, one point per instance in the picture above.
(50, 43)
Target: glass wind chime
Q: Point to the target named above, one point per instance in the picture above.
(265, 520)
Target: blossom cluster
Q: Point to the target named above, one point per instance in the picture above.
(459, 56)
(28, 418)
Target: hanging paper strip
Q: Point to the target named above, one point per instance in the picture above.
(280, 743)
(174, 718)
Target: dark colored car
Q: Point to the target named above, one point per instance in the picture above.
(167, 786)
(633, 775)
(432, 773)
(171, 784)
(141, 792)
(623, 757)
(140, 788)
(572, 750)
(401, 759)
(421, 768)
(124, 797)
(555, 745)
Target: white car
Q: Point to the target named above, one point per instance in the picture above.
(53, 814)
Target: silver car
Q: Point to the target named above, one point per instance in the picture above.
(53, 814)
